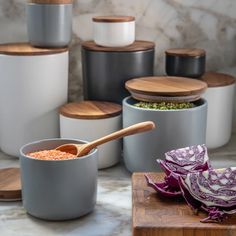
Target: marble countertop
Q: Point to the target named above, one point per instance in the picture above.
(112, 215)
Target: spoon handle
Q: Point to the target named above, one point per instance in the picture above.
(133, 129)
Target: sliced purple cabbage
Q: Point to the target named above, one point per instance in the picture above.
(213, 191)
(177, 163)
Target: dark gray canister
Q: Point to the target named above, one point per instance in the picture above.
(174, 129)
(186, 62)
(49, 25)
(58, 189)
(105, 70)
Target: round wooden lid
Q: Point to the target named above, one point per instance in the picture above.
(186, 52)
(25, 49)
(51, 1)
(10, 184)
(214, 79)
(166, 86)
(138, 45)
(113, 19)
(91, 110)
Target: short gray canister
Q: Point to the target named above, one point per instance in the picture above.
(49, 22)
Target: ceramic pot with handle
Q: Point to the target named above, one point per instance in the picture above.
(90, 120)
(105, 70)
(176, 128)
(220, 98)
(49, 22)
(34, 83)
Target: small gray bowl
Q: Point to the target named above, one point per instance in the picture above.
(58, 189)
(49, 25)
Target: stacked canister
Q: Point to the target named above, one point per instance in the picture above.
(113, 58)
(108, 62)
(35, 76)
(220, 98)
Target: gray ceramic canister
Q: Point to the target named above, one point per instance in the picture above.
(174, 129)
(49, 25)
(105, 70)
(186, 62)
(58, 189)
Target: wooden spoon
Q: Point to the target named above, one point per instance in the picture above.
(84, 149)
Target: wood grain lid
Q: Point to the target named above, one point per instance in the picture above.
(214, 79)
(113, 19)
(138, 45)
(166, 86)
(91, 110)
(25, 49)
(186, 52)
(50, 1)
(10, 184)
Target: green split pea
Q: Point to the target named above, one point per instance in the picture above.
(164, 105)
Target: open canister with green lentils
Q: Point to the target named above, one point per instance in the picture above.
(175, 105)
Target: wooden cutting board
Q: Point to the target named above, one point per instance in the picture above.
(10, 184)
(153, 215)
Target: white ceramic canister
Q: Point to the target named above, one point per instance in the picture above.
(114, 31)
(34, 83)
(90, 120)
(220, 98)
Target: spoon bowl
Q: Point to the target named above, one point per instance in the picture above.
(83, 149)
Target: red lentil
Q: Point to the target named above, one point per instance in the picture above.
(51, 155)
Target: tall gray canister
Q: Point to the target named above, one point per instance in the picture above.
(106, 69)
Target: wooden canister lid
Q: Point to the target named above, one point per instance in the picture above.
(25, 49)
(214, 79)
(113, 19)
(91, 110)
(186, 52)
(10, 184)
(50, 1)
(138, 45)
(166, 86)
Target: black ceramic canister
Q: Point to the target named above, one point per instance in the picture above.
(106, 69)
(186, 62)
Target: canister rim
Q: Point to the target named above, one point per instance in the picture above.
(216, 79)
(25, 49)
(113, 19)
(138, 45)
(50, 1)
(90, 110)
(186, 52)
